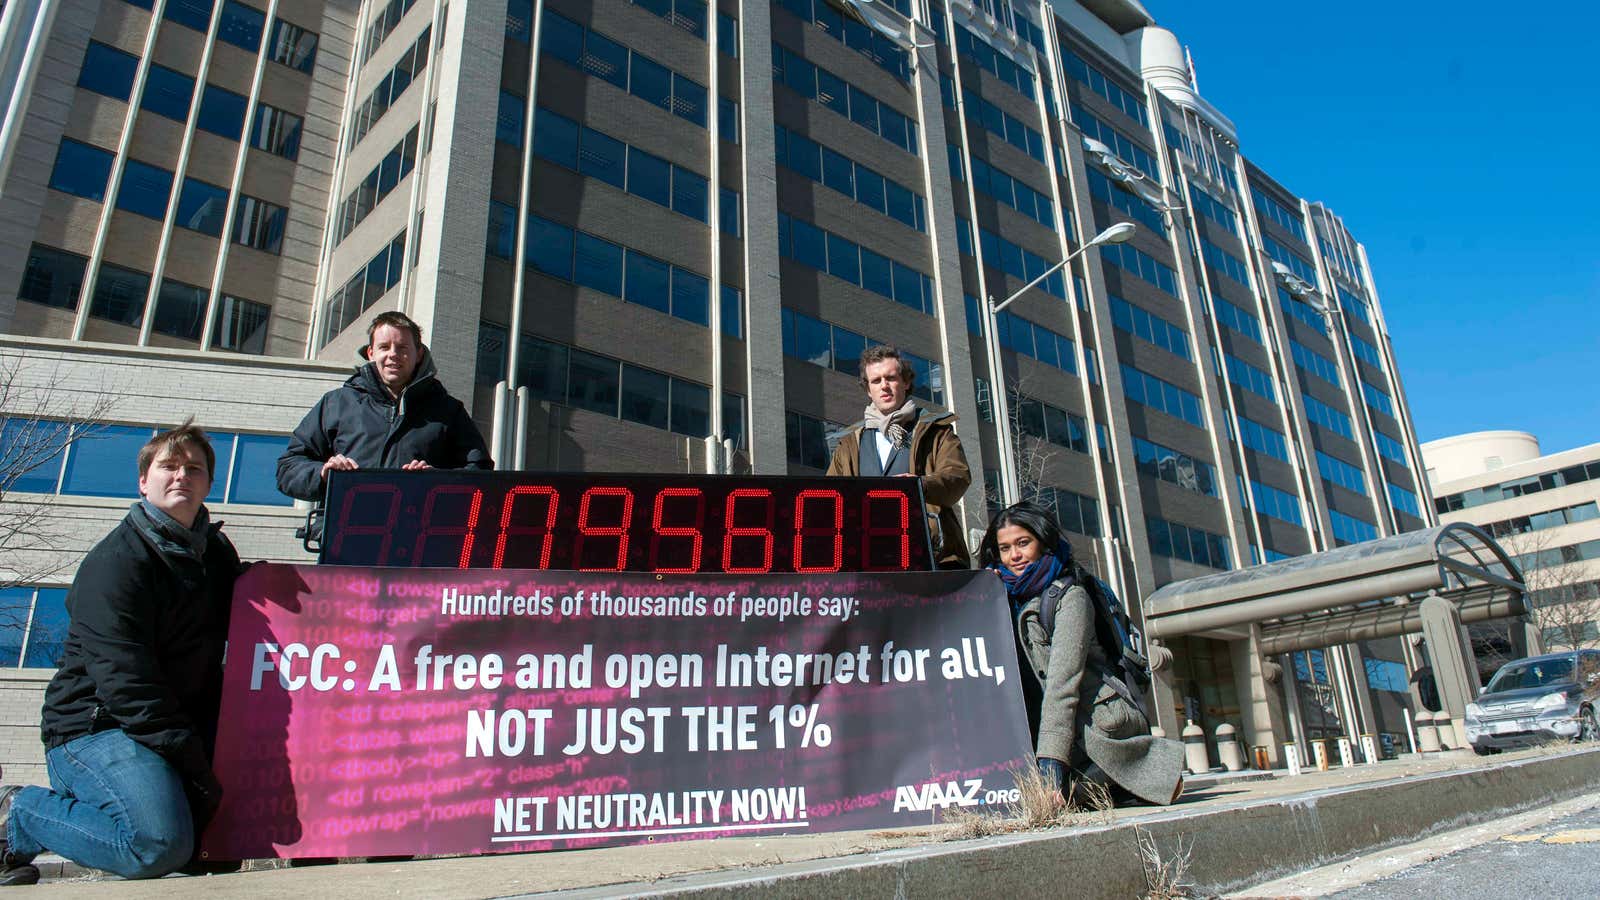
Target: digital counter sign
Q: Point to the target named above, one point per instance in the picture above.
(592, 522)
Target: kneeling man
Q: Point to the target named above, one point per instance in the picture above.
(130, 718)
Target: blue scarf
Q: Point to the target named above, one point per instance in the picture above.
(1031, 582)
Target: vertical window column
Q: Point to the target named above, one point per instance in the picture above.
(141, 75)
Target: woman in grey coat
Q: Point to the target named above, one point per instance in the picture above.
(1084, 720)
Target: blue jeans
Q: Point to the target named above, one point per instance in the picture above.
(114, 805)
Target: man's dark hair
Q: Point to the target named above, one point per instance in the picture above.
(877, 353)
(184, 436)
(394, 319)
(1035, 519)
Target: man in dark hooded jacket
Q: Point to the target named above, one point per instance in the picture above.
(391, 414)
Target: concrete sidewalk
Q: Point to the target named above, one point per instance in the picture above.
(1237, 832)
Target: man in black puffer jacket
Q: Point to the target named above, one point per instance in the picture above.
(392, 414)
(130, 718)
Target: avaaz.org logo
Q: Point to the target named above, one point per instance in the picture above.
(943, 795)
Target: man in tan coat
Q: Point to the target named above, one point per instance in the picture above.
(896, 437)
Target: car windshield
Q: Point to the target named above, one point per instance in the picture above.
(1531, 674)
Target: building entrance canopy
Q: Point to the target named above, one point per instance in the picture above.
(1355, 593)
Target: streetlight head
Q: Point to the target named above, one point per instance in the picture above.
(1116, 234)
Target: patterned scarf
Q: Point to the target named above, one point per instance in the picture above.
(1031, 582)
(893, 426)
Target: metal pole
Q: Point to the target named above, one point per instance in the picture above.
(999, 398)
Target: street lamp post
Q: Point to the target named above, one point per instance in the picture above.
(999, 402)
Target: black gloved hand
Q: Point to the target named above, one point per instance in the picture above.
(205, 796)
(1054, 773)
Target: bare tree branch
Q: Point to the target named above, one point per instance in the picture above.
(44, 414)
(1563, 597)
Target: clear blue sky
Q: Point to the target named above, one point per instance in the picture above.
(1460, 142)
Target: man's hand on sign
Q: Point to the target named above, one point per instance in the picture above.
(338, 462)
(416, 465)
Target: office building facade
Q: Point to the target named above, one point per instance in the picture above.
(654, 235)
(1545, 510)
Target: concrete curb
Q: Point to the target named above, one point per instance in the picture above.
(1229, 846)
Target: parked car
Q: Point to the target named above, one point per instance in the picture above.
(1536, 699)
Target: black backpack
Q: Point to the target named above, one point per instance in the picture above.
(1121, 642)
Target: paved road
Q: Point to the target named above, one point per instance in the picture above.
(1558, 858)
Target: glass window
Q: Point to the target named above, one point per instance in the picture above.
(241, 326)
(732, 312)
(543, 368)
(689, 100)
(221, 112)
(82, 170)
(510, 118)
(805, 157)
(293, 46)
(167, 93)
(605, 59)
(549, 247)
(594, 383)
(847, 349)
(728, 210)
(808, 339)
(691, 296)
(728, 120)
(241, 25)
(276, 131)
(180, 310)
(259, 224)
(832, 92)
(33, 450)
(691, 408)
(254, 476)
(876, 273)
(650, 81)
(108, 71)
(838, 173)
(201, 207)
(649, 177)
(844, 259)
(901, 206)
(870, 190)
(603, 157)
(502, 237)
(104, 463)
(599, 264)
(907, 286)
(195, 14)
(645, 396)
(690, 196)
(810, 245)
(47, 634)
(16, 603)
(145, 189)
(555, 138)
(561, 38)
(648, 282)
(119, 295)
(52, 278)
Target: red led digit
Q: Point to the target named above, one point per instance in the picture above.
(386, 530)
(730, 530)
(552, 501)
(464, 531)
(902, 528)
(659, 531)
(618, 531)
(801, 531)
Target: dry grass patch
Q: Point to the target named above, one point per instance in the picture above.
(1165, 877)
(1038, 805)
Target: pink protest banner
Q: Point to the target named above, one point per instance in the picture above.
(374, 711)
